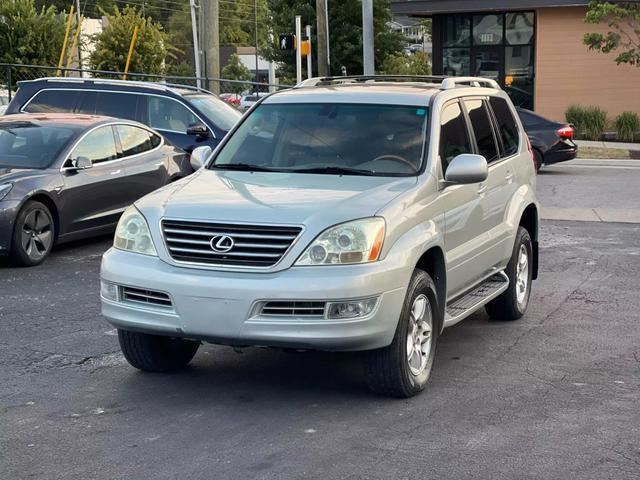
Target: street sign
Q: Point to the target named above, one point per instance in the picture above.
(287, 42)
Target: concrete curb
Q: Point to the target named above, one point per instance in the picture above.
(616, 145)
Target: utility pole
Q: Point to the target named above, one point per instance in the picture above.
(309, 60)
(367, 37)
(298, 49)
(255, 28)
(79, 36)
(211, 14)
(196, 46)
(322, 34)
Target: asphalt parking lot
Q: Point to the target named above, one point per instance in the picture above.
(555, 395)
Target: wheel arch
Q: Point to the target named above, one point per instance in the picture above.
(529, 220)
(433, 262)
(48, 202)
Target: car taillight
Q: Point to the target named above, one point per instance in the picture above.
(565, 132)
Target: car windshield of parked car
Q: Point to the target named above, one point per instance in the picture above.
(27, 145)
(358, 139)
(221, 114)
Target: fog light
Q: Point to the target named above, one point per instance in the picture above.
(351, 308)
(109, 291)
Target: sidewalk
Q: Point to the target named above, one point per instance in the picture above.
(621, 145)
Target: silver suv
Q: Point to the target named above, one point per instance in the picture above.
(347, 214)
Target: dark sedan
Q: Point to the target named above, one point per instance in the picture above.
(67, 176)
(552, 142)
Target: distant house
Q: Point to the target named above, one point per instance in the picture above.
(532, 48)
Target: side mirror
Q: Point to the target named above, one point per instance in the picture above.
(198, 129)
(82, 163)
(199, 156)
(466, 168)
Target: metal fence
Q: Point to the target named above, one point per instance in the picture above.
(11, 74)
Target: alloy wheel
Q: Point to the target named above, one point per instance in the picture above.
(522, 276)
(36, 234)
(419, 335)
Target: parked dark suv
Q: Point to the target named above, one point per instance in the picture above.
(187, 117)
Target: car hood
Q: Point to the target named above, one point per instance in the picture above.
(13, 174)
(269, 197)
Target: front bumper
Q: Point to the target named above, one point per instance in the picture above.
(220, 307)
(8, 213)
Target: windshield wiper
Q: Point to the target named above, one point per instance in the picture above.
(334, 171)
(243, 167)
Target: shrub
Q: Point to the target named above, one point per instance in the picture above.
(627, 125)
(589, 123)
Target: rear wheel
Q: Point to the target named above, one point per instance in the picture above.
(403, 368)
(155, 353)
(33, 234)
(513, 302)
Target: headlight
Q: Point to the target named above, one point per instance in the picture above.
(132, 233)
(359, 241)
(5, 189)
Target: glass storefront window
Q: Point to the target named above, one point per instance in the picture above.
(456, 61)
(519, 75)
(487, 29)
(457, 31)
(519, 28)
(487, 64)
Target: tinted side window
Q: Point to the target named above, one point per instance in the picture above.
(134, 140)
(47, 101)
(117, 105)
(170, 115)
(454, 138)
(506, 125)
(99, 146)
(481, 125)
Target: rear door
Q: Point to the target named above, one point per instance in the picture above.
(499, 187)
(93, 198)
(172, 118)
(144, 161)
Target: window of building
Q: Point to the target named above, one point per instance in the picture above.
(456, 31)
(482, 129)
(487, 29)
(456, 61)
(454, 138)
(519, 28)
(507, 127)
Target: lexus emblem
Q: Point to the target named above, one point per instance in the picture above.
(221, 243)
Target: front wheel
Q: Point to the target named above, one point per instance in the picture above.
(155, 353)
(403, 368)
(513, 302)
(33, 234)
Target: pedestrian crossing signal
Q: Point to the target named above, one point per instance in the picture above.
(287, 42)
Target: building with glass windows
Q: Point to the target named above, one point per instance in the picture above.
(533, 49)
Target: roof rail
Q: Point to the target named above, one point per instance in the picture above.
(444, 82)
(115, 81)
(452, 82)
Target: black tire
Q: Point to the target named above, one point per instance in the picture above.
(34, 234)
(155, 353)
(538, 159)
(388, 370)
(507, 306)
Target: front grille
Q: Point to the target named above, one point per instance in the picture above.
(293, 309)
(145, 297)
(259, 246)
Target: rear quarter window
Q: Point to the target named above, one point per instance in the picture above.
(507, 127)
(54, 101)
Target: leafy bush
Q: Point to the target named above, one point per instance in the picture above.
(627, 126)
(589, 123)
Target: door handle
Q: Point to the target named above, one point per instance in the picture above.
(482, 188)
(508, 177)
(115, 172)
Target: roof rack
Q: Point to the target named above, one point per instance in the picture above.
(114, 81)
(443, 82)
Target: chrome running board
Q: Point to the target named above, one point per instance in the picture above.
(476, 298)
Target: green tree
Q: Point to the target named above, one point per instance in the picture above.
(235, 70)
(402, 64)
(623, 36)
(29, 35)
(112, 45)
(345, 33)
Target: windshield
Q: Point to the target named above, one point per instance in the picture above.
(27, 145)
(220, 113)
(385, 140)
